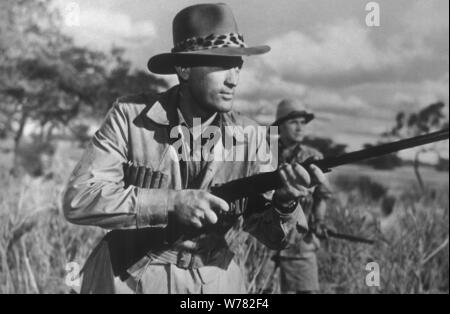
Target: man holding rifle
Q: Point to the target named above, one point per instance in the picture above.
(168, 231)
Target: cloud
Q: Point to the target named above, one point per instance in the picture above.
(339, 50)
(325, 99)
(255, 81)
(117, 24)
(102, 27)
(435, 90)
(258, 83)
(427, 18)
(420, 94)
(261, 107)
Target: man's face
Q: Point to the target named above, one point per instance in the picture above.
(292, 130)
(213, 87)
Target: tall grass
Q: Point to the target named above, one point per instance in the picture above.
(36, 242)
(405, 242)
(411, 245)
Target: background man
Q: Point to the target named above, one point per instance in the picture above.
(298, 262)
(169, 231)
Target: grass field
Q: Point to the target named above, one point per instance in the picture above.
(36, 242)
(396, 180)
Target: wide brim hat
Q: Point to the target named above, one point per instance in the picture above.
(202, 34)
(291, 109)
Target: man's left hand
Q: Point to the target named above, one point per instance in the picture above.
(297, 180)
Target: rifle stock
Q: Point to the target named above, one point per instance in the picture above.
(268, 181)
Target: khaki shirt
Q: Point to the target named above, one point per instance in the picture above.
(122, 182)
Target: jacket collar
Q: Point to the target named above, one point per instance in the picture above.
(163, 111)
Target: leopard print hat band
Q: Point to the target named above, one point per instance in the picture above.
(210, 42)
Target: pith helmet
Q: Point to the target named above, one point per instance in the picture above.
(291, 108)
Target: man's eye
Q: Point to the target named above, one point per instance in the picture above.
(236, 64)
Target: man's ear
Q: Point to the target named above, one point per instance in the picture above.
(183, 73)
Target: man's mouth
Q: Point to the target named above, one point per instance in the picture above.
(226, 95)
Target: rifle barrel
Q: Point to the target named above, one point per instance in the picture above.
(268, 181)
(383, 149)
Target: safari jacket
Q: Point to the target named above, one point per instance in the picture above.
(123, 183)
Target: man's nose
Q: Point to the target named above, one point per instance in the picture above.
(232, 77)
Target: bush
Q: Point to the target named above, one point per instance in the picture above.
(442, 164)
(81, 134)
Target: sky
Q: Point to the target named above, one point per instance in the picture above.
(355, 77)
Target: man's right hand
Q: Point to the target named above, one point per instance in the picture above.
(195, 207)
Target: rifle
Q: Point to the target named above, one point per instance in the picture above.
(344, 236)
(269, 181)
(120, 241)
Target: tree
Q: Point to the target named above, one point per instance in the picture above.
(44, 77)
(48, 80)
(429, 119)
(122, 80)
(443, 164)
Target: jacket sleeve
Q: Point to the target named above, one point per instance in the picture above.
(95, 193)
(264, 221)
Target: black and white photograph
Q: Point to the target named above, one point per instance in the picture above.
(239, 149)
